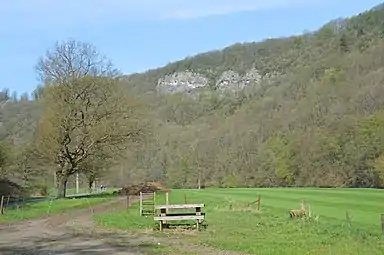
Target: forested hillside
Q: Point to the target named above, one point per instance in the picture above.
(313, 116)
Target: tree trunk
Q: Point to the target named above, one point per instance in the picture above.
(61, 186)
(90, 184)
(91, 180)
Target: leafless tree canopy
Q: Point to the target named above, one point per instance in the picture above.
(73, 59)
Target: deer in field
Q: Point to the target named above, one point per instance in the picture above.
(298, 213)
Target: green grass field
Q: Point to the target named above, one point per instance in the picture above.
(51, 206)
(232, 225)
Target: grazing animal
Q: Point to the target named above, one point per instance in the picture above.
(298, 213)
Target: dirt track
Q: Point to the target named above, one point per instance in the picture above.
(74, 232)
(68, 233)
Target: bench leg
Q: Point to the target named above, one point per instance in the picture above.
(161, 225)
(197, 224)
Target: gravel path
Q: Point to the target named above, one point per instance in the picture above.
(71, 232)
(74, 232)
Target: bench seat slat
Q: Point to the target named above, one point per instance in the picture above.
(180, 206)
(181, 214)
(180, 217)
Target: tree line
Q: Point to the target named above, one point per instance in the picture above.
(319, 122)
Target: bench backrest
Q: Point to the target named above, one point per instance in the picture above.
(179, 206)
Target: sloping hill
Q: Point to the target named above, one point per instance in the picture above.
(303, 110)
(317, 122)
(281, 55)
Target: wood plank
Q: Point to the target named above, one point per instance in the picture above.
(182, 214)
(179, 206)
(181, 217)
(148, 193)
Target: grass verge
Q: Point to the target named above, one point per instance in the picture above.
(51, 206)
(235, 225)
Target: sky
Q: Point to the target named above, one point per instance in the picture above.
(138, 35)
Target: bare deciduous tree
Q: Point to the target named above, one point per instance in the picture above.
(81, 118)
(73, 59)
(85, 110)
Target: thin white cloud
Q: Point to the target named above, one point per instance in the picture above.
(46, 13)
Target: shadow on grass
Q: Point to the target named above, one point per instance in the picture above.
(105, 243)
(30, 200)
(93, 195)
(20, 201)
(182, 226)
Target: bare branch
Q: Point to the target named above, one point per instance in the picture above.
(72, 59)
(85, 108)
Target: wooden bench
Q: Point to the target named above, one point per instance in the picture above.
(165, 216)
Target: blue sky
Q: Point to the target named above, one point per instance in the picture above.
(142, 34)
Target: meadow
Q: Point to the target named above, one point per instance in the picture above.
(235, 224)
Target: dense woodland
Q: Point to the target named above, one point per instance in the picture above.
(319, 122)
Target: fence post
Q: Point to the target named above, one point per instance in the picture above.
(258, 202)
(382, 223)
(141, 203)
(167, 200)
(128, 201)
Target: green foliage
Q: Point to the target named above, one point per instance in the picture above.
(230, 181)
(4, 155)
(5, 158)
(332, 75)
(283, 158)
(379, 169)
